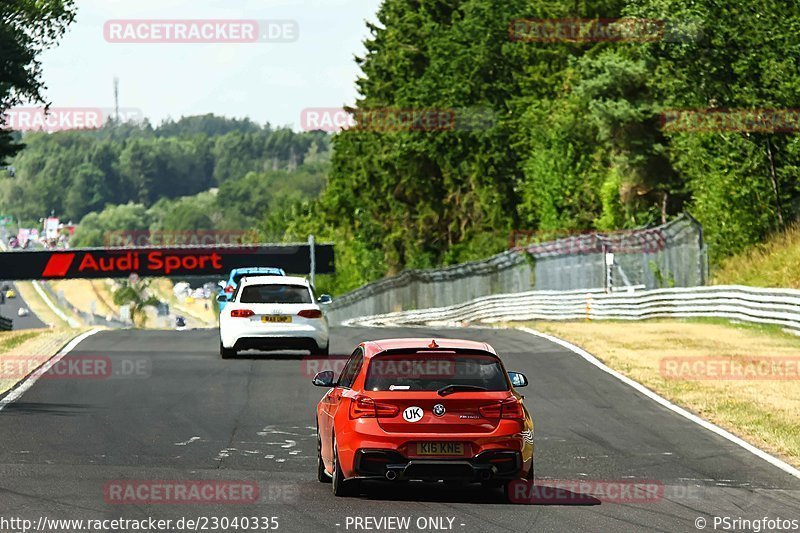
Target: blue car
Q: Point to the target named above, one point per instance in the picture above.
(237, 274)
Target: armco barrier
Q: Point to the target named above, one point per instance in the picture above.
(87, 317)
(6, 324)
(749, 304)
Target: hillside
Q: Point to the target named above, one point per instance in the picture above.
(774, 263)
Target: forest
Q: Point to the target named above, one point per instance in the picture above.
(583, 133)
(197, 173)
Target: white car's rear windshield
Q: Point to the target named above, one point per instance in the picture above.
(275, 294)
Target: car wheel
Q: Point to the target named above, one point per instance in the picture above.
(322, 351)
(506, 486)
(322, 474)
(226, 353)
(341, 486)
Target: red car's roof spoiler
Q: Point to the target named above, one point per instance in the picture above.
(438, 349)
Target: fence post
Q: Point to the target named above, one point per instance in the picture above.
(588, 306)
(313, 259)
(609, 256)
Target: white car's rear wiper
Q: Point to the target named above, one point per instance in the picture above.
(449, 389)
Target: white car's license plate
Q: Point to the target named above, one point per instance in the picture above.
(276, 318)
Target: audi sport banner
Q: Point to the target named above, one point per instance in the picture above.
(156, 261)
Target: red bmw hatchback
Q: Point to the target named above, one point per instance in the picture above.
(414, 409)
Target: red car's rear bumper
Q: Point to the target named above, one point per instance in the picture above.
(370, 452)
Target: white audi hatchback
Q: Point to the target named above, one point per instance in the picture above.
(273, 313)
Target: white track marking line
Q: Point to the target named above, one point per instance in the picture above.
(16, 393)
(666, 403)
(187, 442)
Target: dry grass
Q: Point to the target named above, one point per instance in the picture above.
(81, 293)
(37, 306)
(105, 296)
(775, 263)
(21, 352)
(764, 412)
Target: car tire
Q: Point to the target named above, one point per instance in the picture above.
(322, 474)
(341, 486)
(322, 351)
(226, 353)
(529, 478)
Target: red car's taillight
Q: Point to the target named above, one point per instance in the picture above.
(386, 411)
(310, 313)
(365, 407)
(510, 409)
(229, 288)
(241, 313)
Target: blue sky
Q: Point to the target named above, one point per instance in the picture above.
(264, 81)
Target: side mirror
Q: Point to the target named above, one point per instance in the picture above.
(325, 299)
(222, 297)
(518, 379)
(323, 379)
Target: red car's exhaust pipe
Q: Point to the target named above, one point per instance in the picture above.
(391, 475)
(486, 475)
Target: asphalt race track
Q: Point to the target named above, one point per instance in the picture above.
(185, 414)
(10, 308)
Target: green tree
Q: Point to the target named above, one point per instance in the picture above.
(136, 294)
(103, 228)
(27, 27)
(87, 192)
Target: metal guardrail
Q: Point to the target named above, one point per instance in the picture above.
(89, 318)
(6, 324)
(780, 307)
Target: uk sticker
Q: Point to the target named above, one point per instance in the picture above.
(412, 414)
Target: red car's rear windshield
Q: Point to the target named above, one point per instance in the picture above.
(432, 371)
